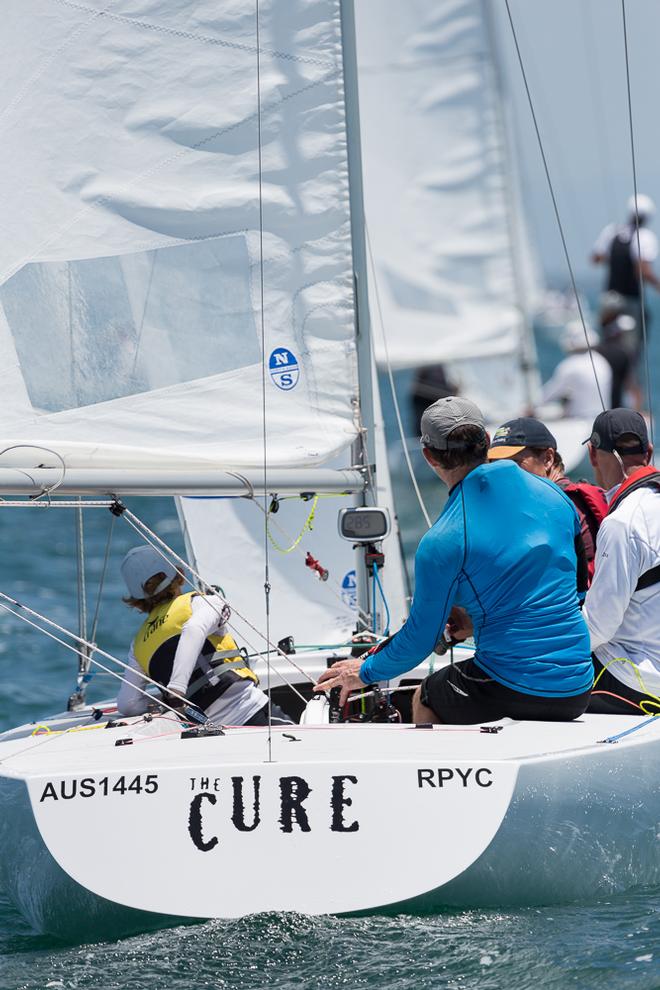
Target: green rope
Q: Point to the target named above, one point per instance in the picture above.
(307, 527)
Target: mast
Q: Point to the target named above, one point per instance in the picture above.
(364, 447)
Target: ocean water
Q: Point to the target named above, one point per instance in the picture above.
(608, 944)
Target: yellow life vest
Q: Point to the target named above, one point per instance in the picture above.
(220, 664)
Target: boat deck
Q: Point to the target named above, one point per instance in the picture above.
(58, 746)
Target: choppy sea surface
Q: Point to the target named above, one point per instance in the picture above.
(609, 944)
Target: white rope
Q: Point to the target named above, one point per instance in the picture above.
(83, 665)
(390, 376)
(73, 649)
(31, 503)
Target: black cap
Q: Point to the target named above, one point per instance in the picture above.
(612, 424)
(514, 436)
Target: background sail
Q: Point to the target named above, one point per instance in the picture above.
(455, 272)
(130, 320)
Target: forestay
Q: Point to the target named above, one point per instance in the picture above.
(455, 272)
(130, 310)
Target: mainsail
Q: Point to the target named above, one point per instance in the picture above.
(144, 207)
(455, 271)
(177, 280)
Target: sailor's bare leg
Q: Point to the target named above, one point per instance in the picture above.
(420, 712)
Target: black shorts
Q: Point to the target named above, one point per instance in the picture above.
(602, 701)
(277, 716)
(464, 694)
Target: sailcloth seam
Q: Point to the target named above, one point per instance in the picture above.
(51, 58)
(101, 200)
(190, 36)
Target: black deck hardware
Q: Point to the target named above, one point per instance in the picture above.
(124, 742)
(112, 723)
(424, 725)
(201, 731)
(117, 509)
(491, 729)
(287, 735)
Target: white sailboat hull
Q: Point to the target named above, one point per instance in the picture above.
(99, 838)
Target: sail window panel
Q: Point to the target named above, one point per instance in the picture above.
(99, 329)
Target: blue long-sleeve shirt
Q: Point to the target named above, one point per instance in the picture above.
(503, 548)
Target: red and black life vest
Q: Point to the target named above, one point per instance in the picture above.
(645, 477)
(591, 503)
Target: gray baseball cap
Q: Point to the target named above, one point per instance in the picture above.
(140, 564)
(446, 415)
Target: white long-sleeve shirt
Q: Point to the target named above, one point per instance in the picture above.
(238, 704)
(623, 622)
(573, 381)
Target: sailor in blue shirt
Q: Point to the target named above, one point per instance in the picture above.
(500, 563)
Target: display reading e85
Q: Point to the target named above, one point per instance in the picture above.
(366, 525)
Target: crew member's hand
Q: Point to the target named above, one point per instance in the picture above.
(174, 700)
(459, 625)
(343, 674)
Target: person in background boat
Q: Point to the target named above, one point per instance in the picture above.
(499, 563)
(576, 379)
(184, 644)
(629, 254)
(622, 607)
(617, 345)
(529, 443)
(430, 384)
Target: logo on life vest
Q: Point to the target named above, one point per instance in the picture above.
(349, 589)
(284, 368)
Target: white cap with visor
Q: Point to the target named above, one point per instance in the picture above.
(142, 563)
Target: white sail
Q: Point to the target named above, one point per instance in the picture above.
(225, 540)
(454, 267)
(130, 262)
(222, 535)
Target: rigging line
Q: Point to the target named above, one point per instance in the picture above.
(83, 665)
(80, 653)
(35, 446)
(71, 635)
(639, 253)
(307, 527)
(263, 377)
(33, 503)
(106, 558)
(554, 203)
(390, 376)
(182, 564)
(331, 584)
